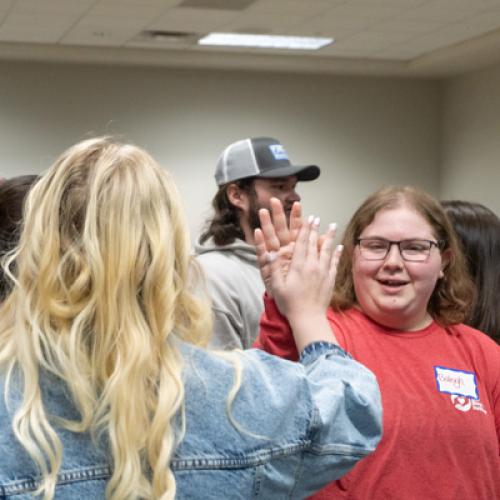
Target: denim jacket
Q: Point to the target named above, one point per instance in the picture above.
(299, 427)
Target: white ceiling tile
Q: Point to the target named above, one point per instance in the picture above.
(338, 34)
(56, 21)
(103, 24)
(196, 20)
(95, 36)
(306, 8)
(334, 27)
(437, 40)
(401, 53)
(414, 26)
(467, 5)
(434, 11)
(34, 28)
(405, 4)
(253, 22)
(369, 11)
(477, 25)
(28, 34)
(51, 6)
(162, 3)
(373, 40)
(126, 10)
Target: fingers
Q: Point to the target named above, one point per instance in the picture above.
(311, 272)
(271, 240)
(335, 262)
(328, 256)
(260, 246)
(302, 244)
(279, 231)
(276, 276)
(279, 221)
(312, 251)
(295, 220)
(262, 258)
(326, 247)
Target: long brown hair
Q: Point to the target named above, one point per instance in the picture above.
(224, 226)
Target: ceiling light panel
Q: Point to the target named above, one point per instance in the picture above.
(265, 41)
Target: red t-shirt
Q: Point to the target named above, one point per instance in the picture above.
(440, 391)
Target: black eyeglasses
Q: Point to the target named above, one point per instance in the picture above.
(411, 250)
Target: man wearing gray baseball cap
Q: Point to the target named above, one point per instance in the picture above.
(248, 174)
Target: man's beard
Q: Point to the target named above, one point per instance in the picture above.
(253, 212)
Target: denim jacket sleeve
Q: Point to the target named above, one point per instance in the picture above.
(291, 429)
(327, 416)
(347, 420)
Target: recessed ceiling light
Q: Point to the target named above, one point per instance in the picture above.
(265, 41)
(165, 36)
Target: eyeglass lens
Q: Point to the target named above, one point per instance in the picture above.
(377, 249)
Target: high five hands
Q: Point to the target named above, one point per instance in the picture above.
(276, 236)
(298, 268)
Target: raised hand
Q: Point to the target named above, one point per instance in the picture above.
(303, 292)
(276, 235)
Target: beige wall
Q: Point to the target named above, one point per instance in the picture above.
(362, 132)
(471, 138)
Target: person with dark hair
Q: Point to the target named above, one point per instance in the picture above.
(106, 388)
(248, 173)
(401, 295)
(13, 192)
(478, 229)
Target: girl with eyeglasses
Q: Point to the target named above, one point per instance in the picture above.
(401, 295)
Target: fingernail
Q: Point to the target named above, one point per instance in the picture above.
(271, 256)
(340, 248)
(332, 226)
(310, 219)
(316, 221)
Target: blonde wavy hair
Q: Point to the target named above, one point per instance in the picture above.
(100, 296)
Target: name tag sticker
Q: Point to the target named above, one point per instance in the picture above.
(457, 382)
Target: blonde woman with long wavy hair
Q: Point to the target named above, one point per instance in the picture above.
(108, 391)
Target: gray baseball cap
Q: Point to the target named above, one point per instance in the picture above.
(259, 157)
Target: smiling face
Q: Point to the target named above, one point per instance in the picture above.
(392, 291)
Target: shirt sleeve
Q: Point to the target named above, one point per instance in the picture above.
(341, 399)
(275, 335)
(347, 424)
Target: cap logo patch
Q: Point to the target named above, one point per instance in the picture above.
(278, 152)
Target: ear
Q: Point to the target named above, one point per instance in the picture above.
(446, 257)
(238, 197)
